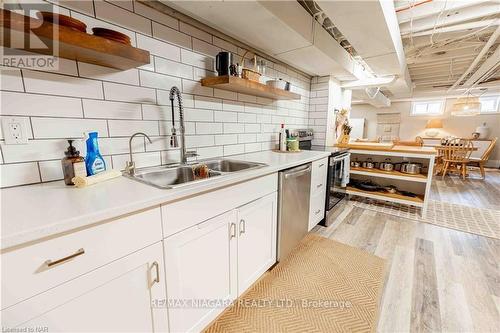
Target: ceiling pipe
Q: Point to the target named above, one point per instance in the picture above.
(412, 6)
(491, 63)
(481, 54)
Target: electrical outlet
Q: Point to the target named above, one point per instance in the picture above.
(15, 130)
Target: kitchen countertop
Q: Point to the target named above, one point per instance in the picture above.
(34, 212)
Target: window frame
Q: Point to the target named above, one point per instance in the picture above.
(497, 102)
(442, 103)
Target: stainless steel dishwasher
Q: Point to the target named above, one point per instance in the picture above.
(293, 212)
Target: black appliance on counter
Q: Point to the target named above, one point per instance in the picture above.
(304, 136)
(336, 196)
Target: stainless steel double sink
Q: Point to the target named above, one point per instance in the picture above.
(168, 177)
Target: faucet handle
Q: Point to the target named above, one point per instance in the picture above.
(130, 167)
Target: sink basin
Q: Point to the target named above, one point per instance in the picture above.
(169, 177)
(231, 165)
(172, 177)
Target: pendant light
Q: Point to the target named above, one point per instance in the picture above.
(466, 106)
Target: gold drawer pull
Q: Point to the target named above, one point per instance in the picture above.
(317, 212)
(51, 263)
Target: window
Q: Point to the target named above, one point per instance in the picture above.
(489, 104)
(427, 108)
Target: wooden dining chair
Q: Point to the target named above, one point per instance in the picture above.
(456, 155)
(481, 161)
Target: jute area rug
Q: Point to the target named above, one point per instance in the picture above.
(479, 221)
(322, 286)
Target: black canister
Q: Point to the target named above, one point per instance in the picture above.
(223, 62)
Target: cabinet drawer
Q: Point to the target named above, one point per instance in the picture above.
(317, 208)
(183, 214)
(318, 175)
(33, 269)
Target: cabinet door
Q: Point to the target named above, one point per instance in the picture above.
(198, 268)
(257, 223)
(119, 297)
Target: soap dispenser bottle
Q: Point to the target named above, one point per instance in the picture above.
(94, 161)
(73, 164)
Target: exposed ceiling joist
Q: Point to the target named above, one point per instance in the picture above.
(481, 54)
(466, 14)
(370, 82)
(458, 27)
(491, 63)
(432, 8)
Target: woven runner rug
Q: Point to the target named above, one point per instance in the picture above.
(322, 286)
(479, 221)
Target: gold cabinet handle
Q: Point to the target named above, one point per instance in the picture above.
(51, 263)
(232, 230)
(242, 226)
(317, 212)
(157, 268)
(319, 185)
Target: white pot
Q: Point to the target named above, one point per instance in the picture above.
(280, 84)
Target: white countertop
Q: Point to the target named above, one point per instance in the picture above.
(30, 213)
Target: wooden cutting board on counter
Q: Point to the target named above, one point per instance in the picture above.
(367, 145)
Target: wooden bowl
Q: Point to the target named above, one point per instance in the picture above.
(251, 75)
(112, 35)
(62, 20)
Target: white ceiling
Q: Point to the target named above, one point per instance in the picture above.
(442, 39)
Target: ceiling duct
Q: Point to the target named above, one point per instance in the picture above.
(377, 98)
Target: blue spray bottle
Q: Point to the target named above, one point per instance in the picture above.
(94, 161)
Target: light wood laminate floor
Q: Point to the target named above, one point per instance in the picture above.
(438, 279)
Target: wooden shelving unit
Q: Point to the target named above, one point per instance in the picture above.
(393, 197)
(236, 84)
(72, 44)
(422, 178)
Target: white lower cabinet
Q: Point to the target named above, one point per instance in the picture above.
(256, 240)
(198, 265)
(212, 263)
(117, 297)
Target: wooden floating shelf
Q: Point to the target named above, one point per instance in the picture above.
(389, 174)
(393, 197)
(72, 44)
(236, 84)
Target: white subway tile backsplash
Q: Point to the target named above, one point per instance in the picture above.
(199, 141)
(141, 160)
(226, 117)
(155, 15)
(226, 139)
(234, 150)
(195, 32)
(159, 48)
(247, 118)
(156, 80)
(11, 79)
(130, 76)
(51, 170)
(172, 36)
(234, 128)
(111, 110)
(60, 128)
(197, 60)
(125, 93)
(210, 152)
(208, 128)
(129, 127)
(205, 48)
(198, 115)
(122, 17)
(36, 150)
(245, 138)
(170, 67)
(19, 174)
(193, 87)
(117, 103)
(202, 102)
(55, 84)
(13, 103)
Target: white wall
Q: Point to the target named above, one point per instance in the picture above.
(80, 97)
(411, 126)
